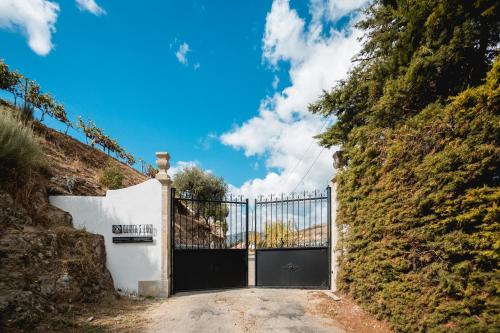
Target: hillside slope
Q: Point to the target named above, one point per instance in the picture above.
(46, 266)
(74, 167)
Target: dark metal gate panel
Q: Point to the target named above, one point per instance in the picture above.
(292, 240)
(293, 268)
(210, 269)
(209, 243)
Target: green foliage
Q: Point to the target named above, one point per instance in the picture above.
(112, 177)
(18, 147)
(200, 184)
(277, 234)
(415, 53)
(419, 122)
(9, 81)
(422, 210)
(30, 91)
(97, 136)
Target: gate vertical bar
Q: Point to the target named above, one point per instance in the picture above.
(315, 220)
(293, 220)
(321, 218)
(220, 226)
(246, 230)
(246, 239)
(304, 218)
(256, 255)
(287, 223)
(209, 226)
(197, 214)
(185, 225)
(231, 222)
(192, 224)
(255, 224)
(271, 220)
(172, 239)
(266, 233)
(282, 222)
(237, 212)
(329, 222)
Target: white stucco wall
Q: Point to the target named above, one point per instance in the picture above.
(139, 204)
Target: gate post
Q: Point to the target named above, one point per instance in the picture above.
(338, 164)
(162, 160)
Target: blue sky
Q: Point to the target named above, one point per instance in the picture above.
(224, 84)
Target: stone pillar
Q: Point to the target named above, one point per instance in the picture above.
(162, 161)
(334, 236)
(338, 164)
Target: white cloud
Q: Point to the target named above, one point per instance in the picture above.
(276, 81)
(335, 9)
(90, 6)
(180, 165)
(282, 132)
(284, 34)
(206, 142)
(35, 18)
(196, 66)
(181, 54)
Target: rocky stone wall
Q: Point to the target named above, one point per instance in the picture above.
(45, 264)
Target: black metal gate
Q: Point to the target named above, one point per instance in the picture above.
(209, 243)
(292, 240)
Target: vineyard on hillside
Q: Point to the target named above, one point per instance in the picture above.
(28, 96)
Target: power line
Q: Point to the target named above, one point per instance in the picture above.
(305, 152)
(307, 172)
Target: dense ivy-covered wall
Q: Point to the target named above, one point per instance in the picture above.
(422, 205)
(419, 122)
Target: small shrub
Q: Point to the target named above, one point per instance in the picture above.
(151, 171)
(112, 178)
(19, 148)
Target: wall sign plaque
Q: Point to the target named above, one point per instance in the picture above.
(132, 239)
(133, 233)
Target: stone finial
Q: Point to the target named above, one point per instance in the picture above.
(338, 159)
(162, 161)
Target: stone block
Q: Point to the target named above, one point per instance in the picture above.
(155, 288)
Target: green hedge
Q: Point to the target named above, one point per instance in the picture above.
(418, 119)
(421, 202)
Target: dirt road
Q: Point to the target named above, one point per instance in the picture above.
(251, 310)
(241, 310)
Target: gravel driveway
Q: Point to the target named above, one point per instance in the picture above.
(242, 310)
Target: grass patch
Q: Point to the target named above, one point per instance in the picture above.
(19, 148)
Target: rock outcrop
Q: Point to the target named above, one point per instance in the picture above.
(46, 266)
